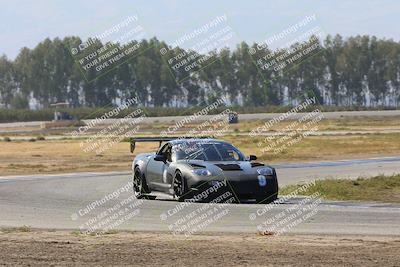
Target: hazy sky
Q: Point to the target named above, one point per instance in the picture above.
(28, 22)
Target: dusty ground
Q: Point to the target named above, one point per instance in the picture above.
(62, 248)
(22, 157)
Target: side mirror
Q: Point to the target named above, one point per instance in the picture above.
(252, 157)
(159, 158)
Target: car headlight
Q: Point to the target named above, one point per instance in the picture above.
(265, 171)
(202, 172)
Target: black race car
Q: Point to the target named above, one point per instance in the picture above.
(185, 168)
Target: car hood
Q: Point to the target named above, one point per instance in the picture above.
(218, 166)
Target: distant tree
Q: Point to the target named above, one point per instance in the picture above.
(19, 102)
(343, 72)
(7, 81)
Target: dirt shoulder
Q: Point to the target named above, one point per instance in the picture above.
(63, 248)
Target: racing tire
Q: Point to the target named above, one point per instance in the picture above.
(179, 186)
(266, 199)
(140, 188)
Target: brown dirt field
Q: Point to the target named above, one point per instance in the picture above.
(62, 248)
(58, 156)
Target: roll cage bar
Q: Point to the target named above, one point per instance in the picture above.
(135, 140)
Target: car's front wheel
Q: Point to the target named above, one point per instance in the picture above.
(179, 186)
(139, 184)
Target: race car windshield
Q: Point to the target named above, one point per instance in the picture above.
(207, 152)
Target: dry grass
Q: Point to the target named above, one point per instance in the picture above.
(326, 147)
(380, 188)
(63, 156)
(342, 124)
(57, 156)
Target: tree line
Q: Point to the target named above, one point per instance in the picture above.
(354, 71)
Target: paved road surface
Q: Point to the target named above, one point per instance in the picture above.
(63, 202)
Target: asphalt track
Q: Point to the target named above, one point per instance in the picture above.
(61, 202)
(254, 116)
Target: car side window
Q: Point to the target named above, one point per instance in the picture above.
(163, 149)
(168, 154)
(166, 151)
(232, 155)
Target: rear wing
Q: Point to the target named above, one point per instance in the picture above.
(135, 140)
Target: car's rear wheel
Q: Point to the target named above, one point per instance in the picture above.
(139, 184)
